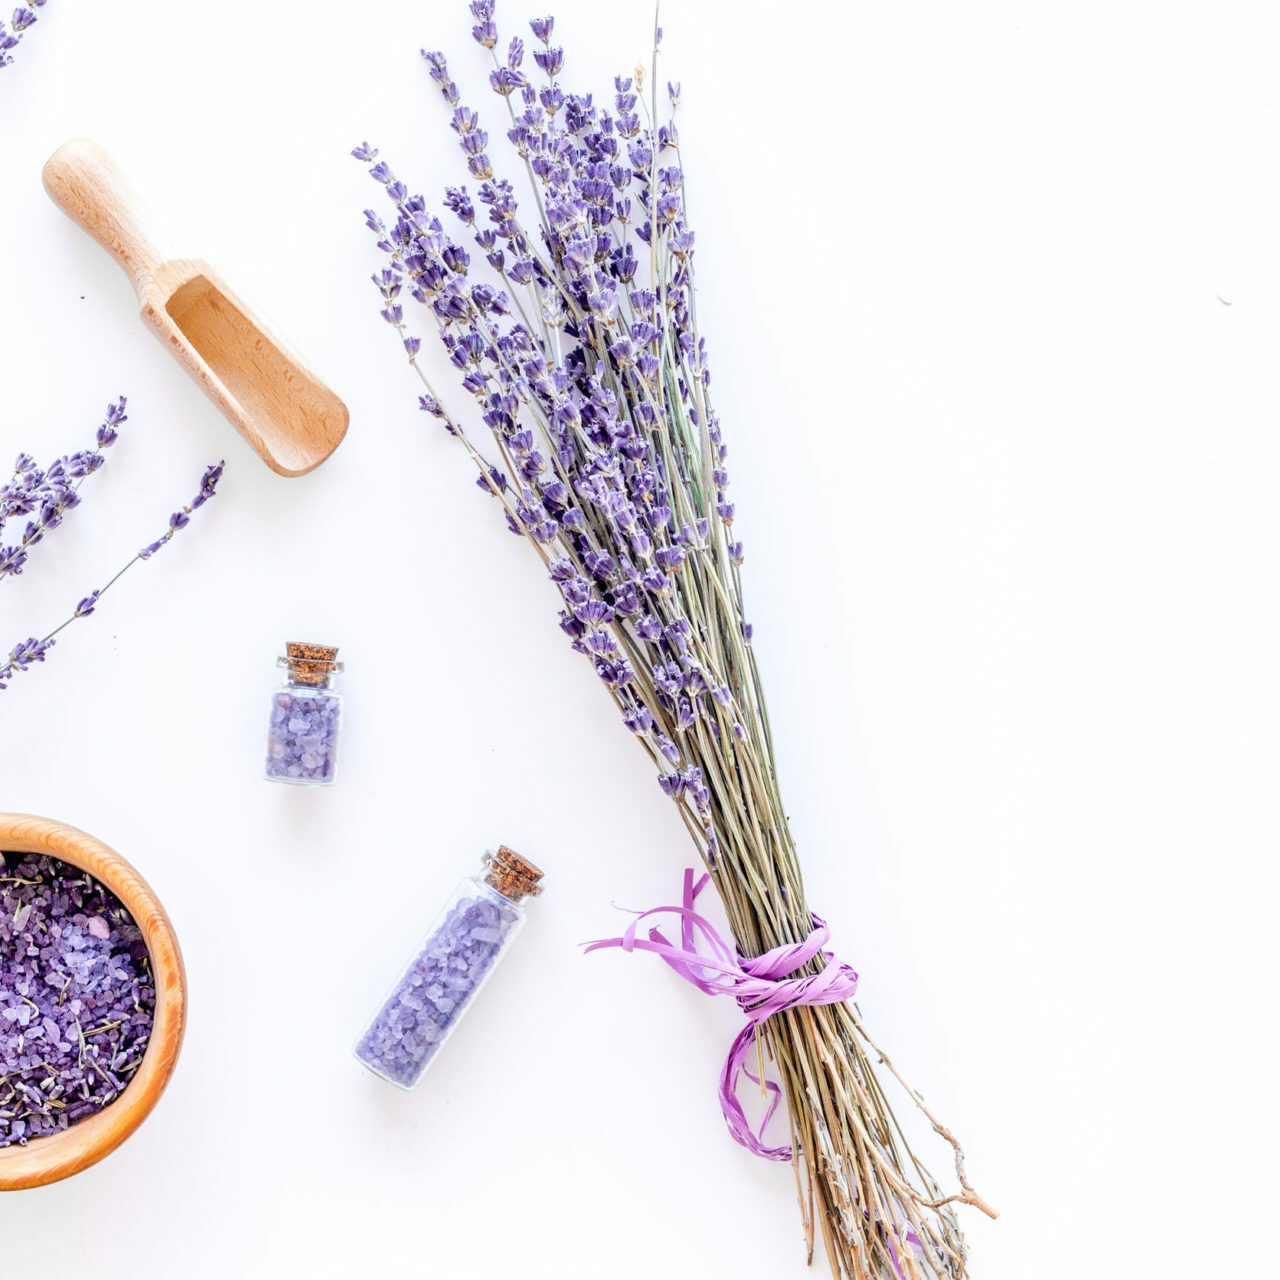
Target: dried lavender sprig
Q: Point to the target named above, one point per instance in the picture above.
(49, 495)
(22, 21)
(30, 651)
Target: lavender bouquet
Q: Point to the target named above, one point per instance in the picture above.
(574, 334)
(45, 495)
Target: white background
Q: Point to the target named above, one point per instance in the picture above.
(993, 297)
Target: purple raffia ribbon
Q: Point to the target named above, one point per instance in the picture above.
(760, 984)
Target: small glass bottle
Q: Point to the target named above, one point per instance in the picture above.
(467, 940)
(306, 715)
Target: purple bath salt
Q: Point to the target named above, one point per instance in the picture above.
(466, 942)
(77, 997)
(306, 716)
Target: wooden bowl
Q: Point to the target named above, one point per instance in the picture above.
(58, 1156)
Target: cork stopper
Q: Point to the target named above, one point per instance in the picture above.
(310, 663)
(511, 875)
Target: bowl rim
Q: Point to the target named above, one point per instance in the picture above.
(49, 1159)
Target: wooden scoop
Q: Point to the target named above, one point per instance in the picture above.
(289, 417)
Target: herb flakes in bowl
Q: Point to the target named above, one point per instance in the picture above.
(77, 996)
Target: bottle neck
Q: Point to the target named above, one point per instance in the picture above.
(293, 681)
(496, 895)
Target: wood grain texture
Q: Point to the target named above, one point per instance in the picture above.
(45, 1160)
(291, 420)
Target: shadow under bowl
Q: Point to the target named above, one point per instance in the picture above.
(49, 1159)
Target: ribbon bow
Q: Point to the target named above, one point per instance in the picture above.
(760, 984)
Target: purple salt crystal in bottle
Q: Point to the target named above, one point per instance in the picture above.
(466, 942)
(306, 715)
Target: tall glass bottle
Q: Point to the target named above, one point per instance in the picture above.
(470, 935)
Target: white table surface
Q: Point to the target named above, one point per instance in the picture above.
(993, 299)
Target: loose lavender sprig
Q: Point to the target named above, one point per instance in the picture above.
(48, 495)
(25, 653)
(583, 361)
(23, 19)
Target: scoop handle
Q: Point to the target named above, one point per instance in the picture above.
(86, 184)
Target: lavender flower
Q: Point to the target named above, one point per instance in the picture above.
(21, 21)
(22, 655)
(47, 495)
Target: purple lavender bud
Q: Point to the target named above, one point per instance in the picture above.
(485, 32)
(601, 643)
(595, 613)
(208, 484)
(668, 677)
(109, 430)
(550, 61)
(542, 28)
(25, 652)
(615, 672)
(639, 719)
(440, 74)
(656, 582)
(504, 81)
(473, 142)
(571, 626)
(459, 202)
